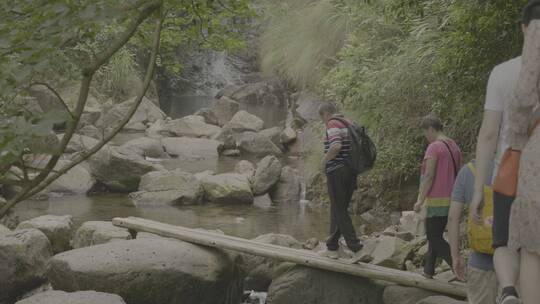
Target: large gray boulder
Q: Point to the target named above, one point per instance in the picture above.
(23, 262)
(150, 270)
(4, 229)
(227, 188)
(244, 121)
(396, 294)
(228, 137)
(391, 252)
(161, 187)
(77, 180)
(224, 109)
(208, 115)
(267, 175)
(274, 134)
(57, 228)
(147, 113)
(288, 188)
(288, 135)
(79, 143)
(99, 232)
(245, 167)
(191, 148)
(440, 300)
(91, 131)
(303, 285)
(191, 126)
(257, 144)
(157, 129)
(79, 297)
(146, 147)
(119, 169)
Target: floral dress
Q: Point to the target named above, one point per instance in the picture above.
(525, 215)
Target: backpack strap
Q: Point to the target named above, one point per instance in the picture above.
(451, 155)
(472, 168)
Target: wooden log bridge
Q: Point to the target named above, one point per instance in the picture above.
(302, 257)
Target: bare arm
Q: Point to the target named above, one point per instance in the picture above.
(485, 153)
(427, 181)
(454, 216)
(331, 154)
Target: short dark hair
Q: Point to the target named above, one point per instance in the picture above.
(327, 107)
(531, 12)
(433, 122)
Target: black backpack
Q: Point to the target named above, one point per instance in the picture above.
(363, 150)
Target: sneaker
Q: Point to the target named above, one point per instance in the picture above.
(508, 299)
(332, 254)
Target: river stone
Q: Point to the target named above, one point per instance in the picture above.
(191, 126)
(224, 109)
(150, 270)
(79, 143)
(440, 300)
(146, 113)
(267, 174)
(258, 144)
(396, 294)
(98, 232)
(245, 167)
(227, 188)
(208, 115)
(146, 147)
(274, 134)
(23, 262)
(228, 137)
(391, 252)
(303, 285)
(288, 136)
(244, 121)
(263, 201)
(57, 228)
(191, 148)
(288, 188)
(79, 297)
(119, 169)
(91, 131)
(168, 187)
(76, 181)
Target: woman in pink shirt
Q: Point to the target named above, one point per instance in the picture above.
(439, 169)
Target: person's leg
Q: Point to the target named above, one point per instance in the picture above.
(431, 256)
(481, 286)
(529, 277)
(333, 188)
(505, 260)
(343, 197)
(441, 245)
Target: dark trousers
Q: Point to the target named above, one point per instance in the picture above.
(341, 185)
(437, 245)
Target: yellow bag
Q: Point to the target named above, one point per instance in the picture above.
(481, 236)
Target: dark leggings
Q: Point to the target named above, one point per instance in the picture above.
(437, 245)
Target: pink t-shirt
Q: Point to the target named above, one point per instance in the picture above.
(445, 173)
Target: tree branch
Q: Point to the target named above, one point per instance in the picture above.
(60, 99)
(44, 178)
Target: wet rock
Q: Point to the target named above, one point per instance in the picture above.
(57, 228)
(79, 297)
(79, 143)
(263, 202)
(288, 136)
(274, 134)
(245, 167)
(440, 300)
(147, 113)
(146, 147)
(77, 180)
(98, 232)
(208, 115)
(314, 286)
(23, 262)
(91, 131)
(257, 144)
(391, 252)
(191, 148)
(224, 109)
(404, 295)
(267, 174)
(244, 121)
(150, 270)
(288, 188)
(119, 169)
(161, 187)
(228, 188)
(191, 126)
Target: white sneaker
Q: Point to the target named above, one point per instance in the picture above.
(332, 254)
(361, 257)
(508, 299)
